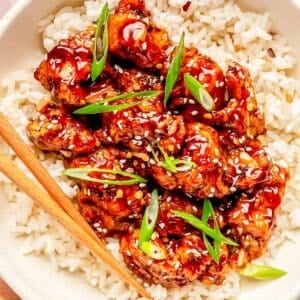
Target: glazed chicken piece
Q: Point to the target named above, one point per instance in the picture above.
(143, 124)
(66, 72)
(131, 80)
(134, 38)
(252, 217)
(205, 179)
(241, 116)
(186, 256)
(55, 130)
(209, 74)
(247, 165)
(109, 209)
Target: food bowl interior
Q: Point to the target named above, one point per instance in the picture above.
(30, 276)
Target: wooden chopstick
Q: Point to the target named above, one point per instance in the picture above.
(25, 153)
(43, 199)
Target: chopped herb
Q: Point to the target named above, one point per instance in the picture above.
(147, 228)
(199, 92)
(213, 250)
(149, 218)
(174, 69)
(199, 224)
(172, 164)
(262, 272)
(153, 250)
(83, 174)
(102, 106)
(99, 63)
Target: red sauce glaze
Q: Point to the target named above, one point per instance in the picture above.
(186, 6)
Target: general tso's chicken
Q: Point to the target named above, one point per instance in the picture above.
(186, 259)
(66, 72)
(55, 130)
(145, 123)
(114, 207)
(247, 165)
(142, 124)
(251, 219)
(205, 179)
(209, 74)
(241, 115)
(131, 80)
(134, 38)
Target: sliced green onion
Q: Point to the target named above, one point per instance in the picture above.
(262, 272)
(83, 174)
(174, 69)
(213, 250)
(98, 65)
(199, 224)
(101, 106)
(199, 92)
(170, 163)
(153, 250)
(149, 218)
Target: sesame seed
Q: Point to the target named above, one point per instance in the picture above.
(139, 195)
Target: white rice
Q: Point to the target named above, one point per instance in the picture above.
(217, 28)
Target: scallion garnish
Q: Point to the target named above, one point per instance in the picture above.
(147, 228)
(199, 92)
(174, 69)
(98, 64)
(199, 224)
(101, 106)
(172, 164)
(207, 212)
(262, 272)
(83, 174)
(149, 218)
(153, 250)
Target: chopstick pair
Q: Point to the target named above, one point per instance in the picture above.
(55, 201)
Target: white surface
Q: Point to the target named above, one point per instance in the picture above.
(31, 277)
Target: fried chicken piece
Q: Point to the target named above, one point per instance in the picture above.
(209, 74)
(251, 219)
(134, 38)
(241, 115)
(56, 130)
(66, 72)
(131, 80)
(169, 225)
(247, 165)
(114, 207)
(205, 179)
(143, 124)
(187, 258)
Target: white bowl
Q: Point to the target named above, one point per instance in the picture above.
(32, 277)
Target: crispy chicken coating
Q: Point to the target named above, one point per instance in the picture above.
(143, 124)
(110, 209)
(247, 165)
(209, 74)
(186, 256)
(241, 115)
(252, 217)
(57, 131)
(205, 179)
(134, 38)
(66, 72)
